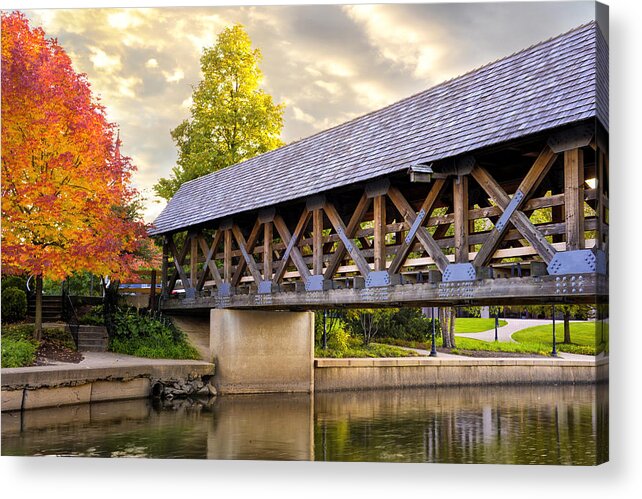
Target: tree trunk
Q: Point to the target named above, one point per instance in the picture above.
(444, 322)
(37, 330)
(567, 326)
(451, 330)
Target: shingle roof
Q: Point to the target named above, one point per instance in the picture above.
(560, 81)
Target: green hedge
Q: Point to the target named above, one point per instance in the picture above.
(18, 346)
(14, 305)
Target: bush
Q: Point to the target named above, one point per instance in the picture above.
(18, 346)
(14, 305)
(14, 281)
(148, 336)
(94, 317)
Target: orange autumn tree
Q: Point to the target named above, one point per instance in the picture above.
(66, 198)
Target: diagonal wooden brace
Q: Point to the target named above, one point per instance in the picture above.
(209, 262)
(424, 211)
(426, 240)
(346, 239)
(292, 251)
(529, 184)
(246, 248)
(517, 218)
(247, 256)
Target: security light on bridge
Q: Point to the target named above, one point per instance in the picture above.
(421, 172)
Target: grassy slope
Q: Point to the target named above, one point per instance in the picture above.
(586, 337)
(476, 325)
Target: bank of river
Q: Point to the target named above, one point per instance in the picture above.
(517, 425)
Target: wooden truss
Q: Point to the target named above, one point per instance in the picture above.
(460, 218)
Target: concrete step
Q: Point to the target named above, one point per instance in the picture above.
(92, 349)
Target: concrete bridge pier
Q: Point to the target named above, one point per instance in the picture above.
(262, 351)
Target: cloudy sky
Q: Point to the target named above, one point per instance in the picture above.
(327, 63)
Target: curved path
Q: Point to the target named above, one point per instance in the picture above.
(504, 333)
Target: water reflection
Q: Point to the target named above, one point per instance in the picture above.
(538, 425)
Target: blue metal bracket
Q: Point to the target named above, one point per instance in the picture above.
(190, 293)
(345, 240)
(578, 262)
(415, 226)
(225, 289)
(265, 287)
(317, 283)
(459, 272)
(510, 209)
(381, 279)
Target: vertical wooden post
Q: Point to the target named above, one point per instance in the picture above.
(164, 269)
(599, 208)
(267, 250)
(574, 198)
(557, 214)
(193, 260)
(380, 232)
(317, 242)
(227, 256)
(460, 203)
(152, 291)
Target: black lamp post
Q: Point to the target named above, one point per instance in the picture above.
(496, 322)
(433, 349)
(325, 337)
(554, 352)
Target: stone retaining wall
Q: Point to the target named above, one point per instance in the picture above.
(360, 374)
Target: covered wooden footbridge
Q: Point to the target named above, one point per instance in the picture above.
(491, 188)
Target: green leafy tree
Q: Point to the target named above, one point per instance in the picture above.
(232, 118)
(369, 322)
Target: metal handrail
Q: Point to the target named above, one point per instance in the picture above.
(70, 316)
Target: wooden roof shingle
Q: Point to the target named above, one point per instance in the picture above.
(556, 82)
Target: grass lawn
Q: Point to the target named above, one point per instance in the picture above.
(476, 325)
(372, 350)
(480, 345)
(586, 337)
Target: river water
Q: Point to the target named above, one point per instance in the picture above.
(509, 425)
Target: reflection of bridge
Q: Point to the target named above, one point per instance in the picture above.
(489, 188)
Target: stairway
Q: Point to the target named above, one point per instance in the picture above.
(51, 308)
(92, 339)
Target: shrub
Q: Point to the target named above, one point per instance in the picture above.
(14, 305)
(148, 336)
(14, 281)
(94, 317)
(18, 346)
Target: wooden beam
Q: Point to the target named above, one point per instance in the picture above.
(518, 218)
(209, 261)
(426, 206)
(529, 183)
(178, 263)
(460, 205)
(248, 249)
(247, 257)
(227, 256)
(164, 269)
(574, 197)
(193, 259)
(339, 227)
(353, 225)
(292, 251)
(379, 203)
(317, 242)
(600, 199)
(408, 212)
(268, 236)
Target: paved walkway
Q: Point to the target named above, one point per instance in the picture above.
(504, 333)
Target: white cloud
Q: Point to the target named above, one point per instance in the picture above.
(103, 61)
(151, 63)
(174, 77)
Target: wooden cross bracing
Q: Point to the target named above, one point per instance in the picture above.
(334, 239)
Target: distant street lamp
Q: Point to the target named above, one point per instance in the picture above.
(554, 352)
(496, 322)
(433, 349)
(325, 337)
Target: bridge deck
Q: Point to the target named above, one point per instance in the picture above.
(579, 288)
